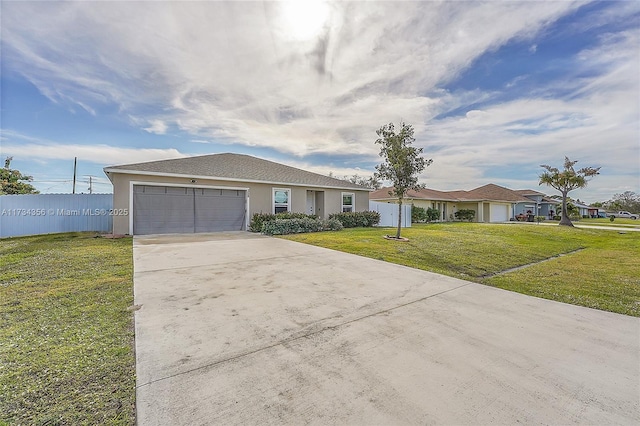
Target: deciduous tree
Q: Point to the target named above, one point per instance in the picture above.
(402, 162)
(565, 181)
(14, 182)
(370, 182)
(628, 200)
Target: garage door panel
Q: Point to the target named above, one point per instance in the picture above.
(166, 209)
(162, 210)
(219, 210)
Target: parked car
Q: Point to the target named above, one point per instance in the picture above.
(623, 214)
(602, 214)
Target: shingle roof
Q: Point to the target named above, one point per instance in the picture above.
(493, 192)
(425, 193)
(528, 192)
(238, 167)
(490, 192)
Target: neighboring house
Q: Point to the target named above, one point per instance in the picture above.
(426, 198)
(538, 204)
(492, 203)
(220, 192)
(585, 210)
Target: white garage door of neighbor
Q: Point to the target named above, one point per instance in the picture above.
(499, 213)
(172, 210)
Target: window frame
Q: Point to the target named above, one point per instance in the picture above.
(353, 202)
(274, 205)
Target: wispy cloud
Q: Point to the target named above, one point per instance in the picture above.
(157, 126)
(24, 146)
(232, 73)
(228, 70)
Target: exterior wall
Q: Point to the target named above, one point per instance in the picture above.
(446, 208)
(260, 196)
(471, 206)
(543, 208)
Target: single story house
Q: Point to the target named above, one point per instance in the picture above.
(539, 204)
(492, 203)
(586, 210)
(425, 198)
(220, 192)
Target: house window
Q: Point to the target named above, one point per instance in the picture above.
(348, 201)
(281, 200)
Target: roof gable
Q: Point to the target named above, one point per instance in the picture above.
(493, 192)
(234, 167)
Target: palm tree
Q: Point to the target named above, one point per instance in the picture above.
(566, 181)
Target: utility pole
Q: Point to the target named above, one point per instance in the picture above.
(90, 185)
(75, 168)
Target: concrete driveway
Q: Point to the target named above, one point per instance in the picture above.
(245, 329)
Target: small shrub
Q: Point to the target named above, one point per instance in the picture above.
(612, 218)
(259, 219)
(418, 214)
(557, 218)
(433, 214)
(357, 219)
(540, 219)
(465, 214)
(292, 226)
(331, 225)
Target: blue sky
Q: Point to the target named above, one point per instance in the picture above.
(493, 89)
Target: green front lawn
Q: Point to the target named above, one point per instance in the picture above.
(607, 222)
(601, 269)
(66, 333)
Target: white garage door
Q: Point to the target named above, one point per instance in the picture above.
(499, 213)
(170, 210)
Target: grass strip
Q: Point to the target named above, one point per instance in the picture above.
(66, 334)
(600, 269)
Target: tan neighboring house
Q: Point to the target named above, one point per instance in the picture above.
(220, 192)
(426, 198)
(492, 203)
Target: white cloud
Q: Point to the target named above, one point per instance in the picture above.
(157, 126)
(228, 69)
(23, 146)
(595, 122)
(230, 72)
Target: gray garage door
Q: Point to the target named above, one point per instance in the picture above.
(170, 210)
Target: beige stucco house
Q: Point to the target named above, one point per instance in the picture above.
(220, 192)
(492, 203)
(426, 198)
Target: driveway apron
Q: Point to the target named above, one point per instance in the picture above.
(237, 328)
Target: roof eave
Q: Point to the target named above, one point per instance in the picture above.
(109, 170)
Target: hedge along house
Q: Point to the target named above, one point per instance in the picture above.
(491, 203)
(220, 192)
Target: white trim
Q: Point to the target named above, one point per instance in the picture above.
(273, 198)
(353, 201)
(180, 185)
(108, 170)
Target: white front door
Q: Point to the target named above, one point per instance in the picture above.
(311, 202)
